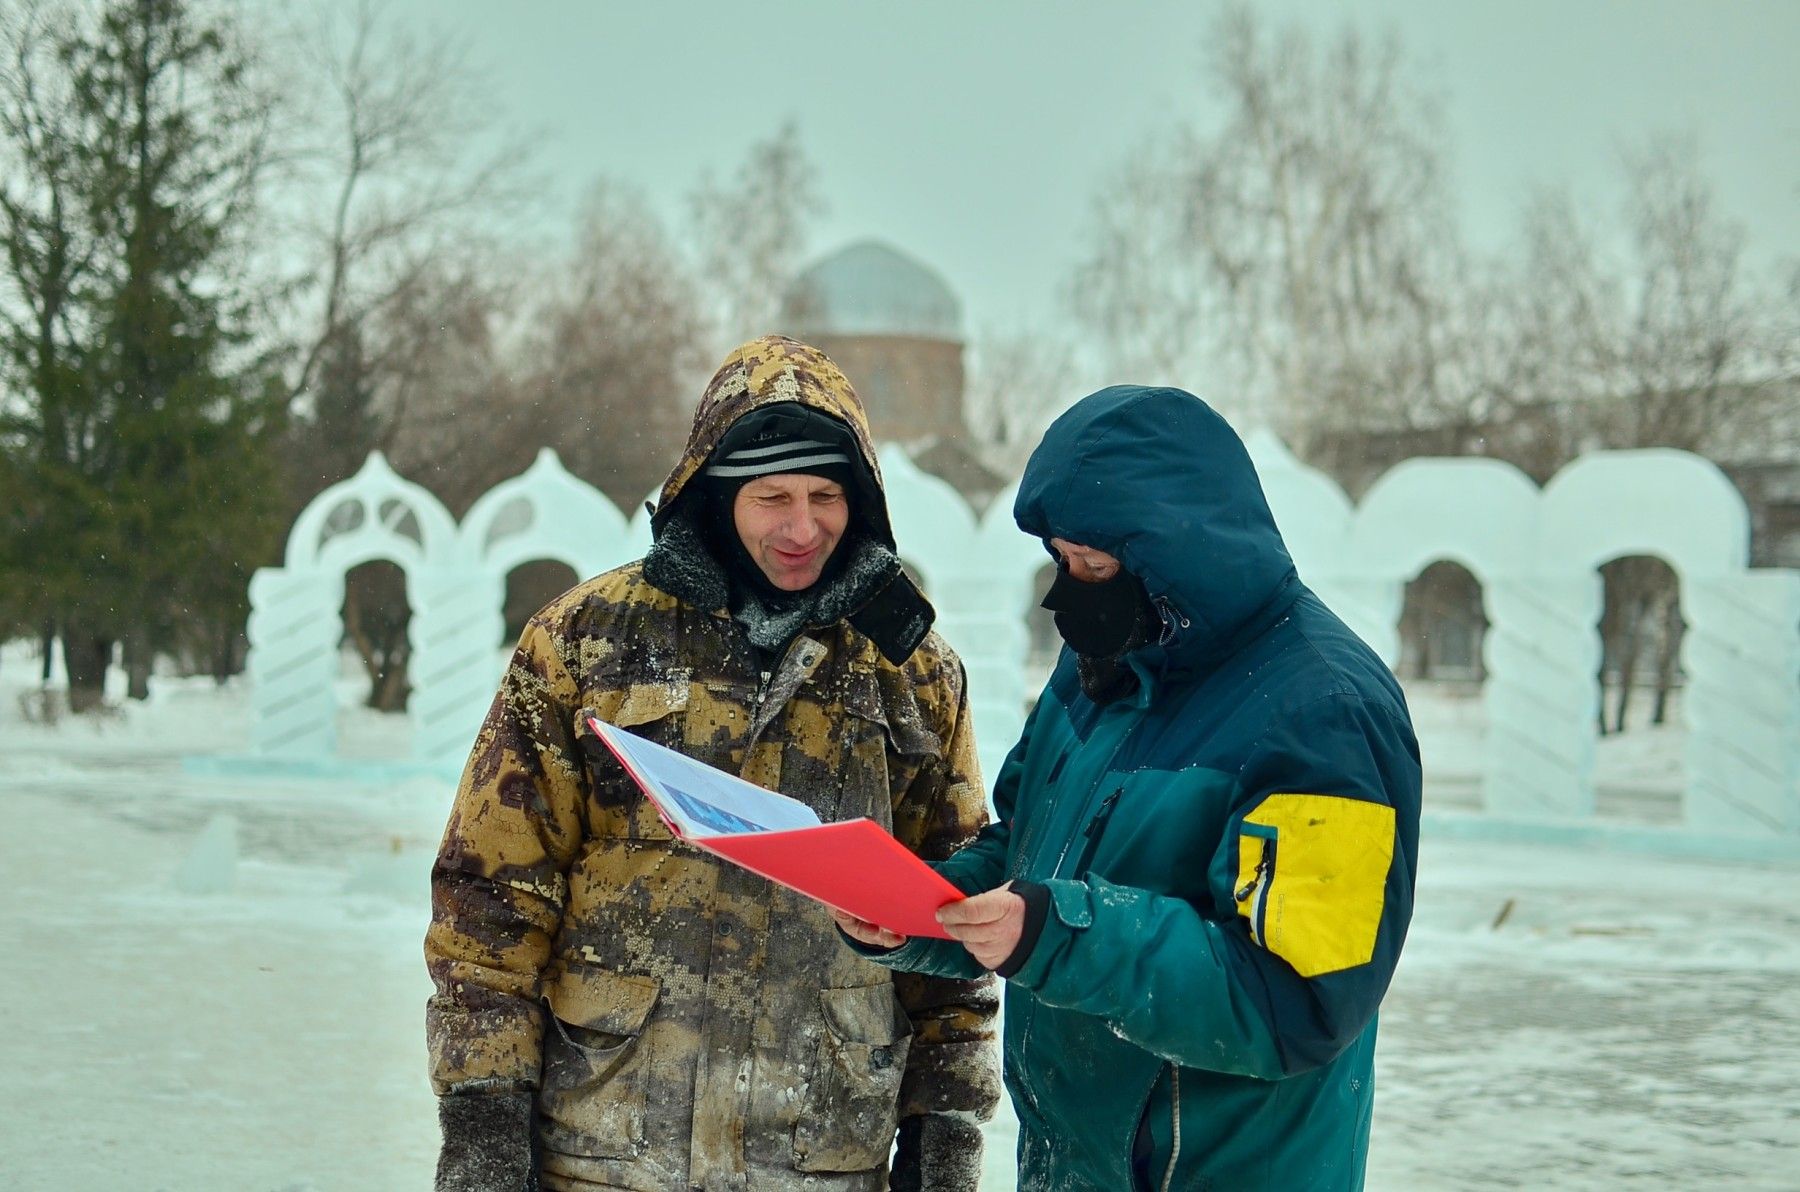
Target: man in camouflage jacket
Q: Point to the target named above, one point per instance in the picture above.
(616, 1009)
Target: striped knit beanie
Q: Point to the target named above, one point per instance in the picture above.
(788, 438)
(784, 438)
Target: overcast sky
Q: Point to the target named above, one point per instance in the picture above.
(974, 135)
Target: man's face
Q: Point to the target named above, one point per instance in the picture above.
(790, 523)
(1086, 564)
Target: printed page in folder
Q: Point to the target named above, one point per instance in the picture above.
(855, 866)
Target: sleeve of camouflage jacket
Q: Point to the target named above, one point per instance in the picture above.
(498, 887)
(952, 1067)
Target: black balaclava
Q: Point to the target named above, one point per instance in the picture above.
(1102, 622)
(1104, 619)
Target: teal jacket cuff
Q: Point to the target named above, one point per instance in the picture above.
(1071, 911)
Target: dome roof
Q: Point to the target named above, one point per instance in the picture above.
(871, 289)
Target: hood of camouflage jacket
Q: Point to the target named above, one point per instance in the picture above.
(871, 590)
(762, 373)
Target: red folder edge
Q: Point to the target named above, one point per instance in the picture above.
(854, 865)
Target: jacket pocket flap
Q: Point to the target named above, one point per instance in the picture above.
(1071, 902)
(602, 1000)
(898, 713)
(645, 703)
(867, 1014)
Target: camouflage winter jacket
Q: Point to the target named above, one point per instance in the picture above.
(686, 1023)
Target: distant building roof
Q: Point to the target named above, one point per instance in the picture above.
(869, 288)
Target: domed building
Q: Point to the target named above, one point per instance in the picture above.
(896, 329)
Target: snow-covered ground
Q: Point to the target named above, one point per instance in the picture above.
(174, 1020)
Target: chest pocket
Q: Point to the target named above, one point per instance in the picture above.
(887, 746)
(655, 711)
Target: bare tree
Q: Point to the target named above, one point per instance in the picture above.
(749, 235)
(1697, 353)
(1140, 293)
(1560, 319)
(1018, 382)
(1656, 336)
(1663, 341)
(396, 174)
(1298, 252)
(397, 168)
(456, 419)
(616, 350)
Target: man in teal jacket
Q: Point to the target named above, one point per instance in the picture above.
(1201, 871)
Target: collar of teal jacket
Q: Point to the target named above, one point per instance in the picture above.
(1155, 477)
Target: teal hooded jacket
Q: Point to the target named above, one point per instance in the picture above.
(1229, 851)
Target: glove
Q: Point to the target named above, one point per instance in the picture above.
(936, 1152)
(487, 1143)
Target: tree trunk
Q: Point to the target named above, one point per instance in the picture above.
(137, 658)
(49, 640)
(226, 658)
(1629, 649)
(1668, 661)
(391, 692)
(87, 656)
(380, 641)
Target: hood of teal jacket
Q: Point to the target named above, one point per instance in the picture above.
(1156, 478)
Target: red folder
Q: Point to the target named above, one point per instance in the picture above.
(855, 866)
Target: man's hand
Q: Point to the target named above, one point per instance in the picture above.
(988, 925)
(865, 932)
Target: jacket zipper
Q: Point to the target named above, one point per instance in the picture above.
(762, 695)
(1175, 1128)
(1091, 833)
(1171, 617)
(1258, 885)
(1106, 769)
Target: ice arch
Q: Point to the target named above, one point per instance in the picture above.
(296, 620)
(1534, 551)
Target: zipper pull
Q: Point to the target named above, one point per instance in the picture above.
(1100, 816)
(1171, 617)
(1262, 868)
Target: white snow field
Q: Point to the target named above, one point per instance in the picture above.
(215, 982)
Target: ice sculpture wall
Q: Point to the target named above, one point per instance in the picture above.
(1535, 552)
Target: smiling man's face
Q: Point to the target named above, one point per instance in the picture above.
(790, 523)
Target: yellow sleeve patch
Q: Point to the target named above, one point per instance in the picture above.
(1312, 878)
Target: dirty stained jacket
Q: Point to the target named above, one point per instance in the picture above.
(685, 1023)
(1229, 851)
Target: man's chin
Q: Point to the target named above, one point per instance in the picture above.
(795, 579)
(794, 583)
